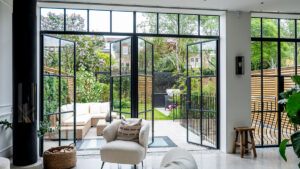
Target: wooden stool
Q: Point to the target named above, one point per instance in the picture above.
(243, 131)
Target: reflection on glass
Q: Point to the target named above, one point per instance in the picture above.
(52, 19)
(270, 55)
(116, 94)
(287, 28)
(209, 58)
(270, 28)
(76, 20)
(141, 56)
(146, 22)
(287, 58)
(149, 58)
(141, 93)
(168, 23)
(149, 94)
(122, 22)
(126, 56)
(125, 94)
(255, 27)
(51, 55)
(194, 60)
(189, 24)
(67, 57)
(209, 25)
(99, 21)
(115, 58)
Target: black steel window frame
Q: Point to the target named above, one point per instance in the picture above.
(134, 25)
(134, 37)
(188, 103)
(59, 76)
(280, 78)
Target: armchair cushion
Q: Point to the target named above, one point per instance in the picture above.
(110, 131)
(129, 130)
(124, 152)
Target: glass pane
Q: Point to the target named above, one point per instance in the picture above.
(146, 22)
(52, 19)
(209, 58)
(99, 21)
(209, 107)
(189, 24)
(255, 27)
(255, 57)
(256, 107)
(270, 28)
(122, 22)
(141, 55)
(298, 58)
(115, 58)
(126, 56)
(116, 94)
(76, 20)
(287, 28)
(67, 57)
(125, 100)
(51, 55)
(287, 58)
(195, 93)
(194, 60)
(168, 23)
(209, 25)
(298, 29)
(149, 58)
(149, 94)
(141, 93)
(287, 128)
(270, 55)
(51, 97)
(51, 139)
(270, 108)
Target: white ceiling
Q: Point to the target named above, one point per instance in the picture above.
(284, 6)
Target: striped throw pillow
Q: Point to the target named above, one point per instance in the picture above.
(129, 131)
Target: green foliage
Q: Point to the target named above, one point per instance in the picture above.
(51, 96)
(45, 127)
(6, 124)
(291, 99)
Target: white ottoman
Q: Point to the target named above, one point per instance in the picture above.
(178, 158)
(4, 163)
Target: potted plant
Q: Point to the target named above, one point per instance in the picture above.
(291, 101)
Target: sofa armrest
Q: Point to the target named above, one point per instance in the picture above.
(110, 131)
(144, 134)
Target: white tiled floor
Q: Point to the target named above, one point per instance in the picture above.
(268, 158)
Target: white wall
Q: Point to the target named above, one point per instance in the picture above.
(235, 90)
(5, 75)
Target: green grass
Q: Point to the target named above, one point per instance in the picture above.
(157, 115)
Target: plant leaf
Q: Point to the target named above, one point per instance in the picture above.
(296, 79)
(293, 104)
(295, 138)
(282, 148)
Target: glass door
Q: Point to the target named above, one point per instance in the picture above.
(145, 82)
(58, 84)
(202, 93)
(122, 93)
(120, 79)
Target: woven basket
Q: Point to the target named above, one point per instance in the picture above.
(63, 157)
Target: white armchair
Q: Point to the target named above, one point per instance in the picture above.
(124, 152)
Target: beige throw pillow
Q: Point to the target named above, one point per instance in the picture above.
(129, 131)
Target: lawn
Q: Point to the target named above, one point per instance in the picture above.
(157, 115)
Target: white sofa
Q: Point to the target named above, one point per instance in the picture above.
(4, 163)
(124, 152)
(87, 115)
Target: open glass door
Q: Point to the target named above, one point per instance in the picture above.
(145, 83)
(202, 117)
(120, 78)
(121, 75)
(58, 86)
